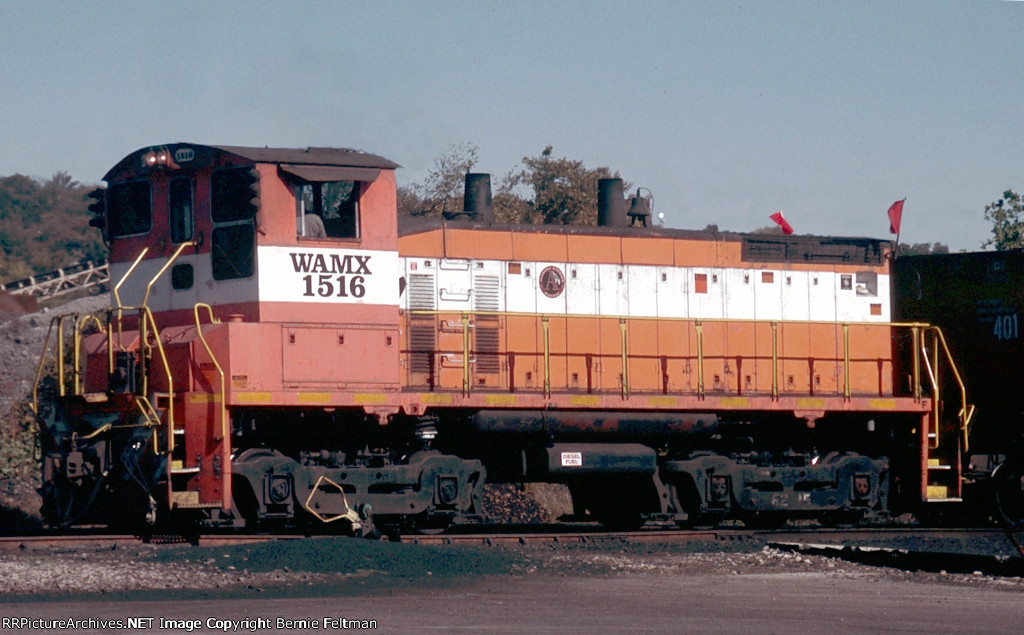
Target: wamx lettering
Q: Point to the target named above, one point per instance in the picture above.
(330, 263)
(290, 274)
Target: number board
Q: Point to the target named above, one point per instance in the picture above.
(341, 276)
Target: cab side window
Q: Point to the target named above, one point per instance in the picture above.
(233, 206)
(327, 210)
(129, 209)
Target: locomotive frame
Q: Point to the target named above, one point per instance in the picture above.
(352, 370)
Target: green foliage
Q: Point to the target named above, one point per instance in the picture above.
(444, 188)
(922, 249)
(1007, 218)
(18, 441)
(18, 427)
(17, 452)
(44, 226)
(545, 189)
(561, 191)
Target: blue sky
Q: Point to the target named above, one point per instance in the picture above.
(726, 111)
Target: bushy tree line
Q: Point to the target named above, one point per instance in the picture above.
(44, 225)
(1007, 218)
(543, 189)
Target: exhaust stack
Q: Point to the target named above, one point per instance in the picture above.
(477, 203)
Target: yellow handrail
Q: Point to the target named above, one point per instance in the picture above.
(465, 354)
(698, 326)
(624, 338)
(545, 323)
(917, 333)
(847, 392)
(117, 287)
(78, 347)
(220, 371)
(775, 359)
(966, 413)
(42, 364)
(170, 261)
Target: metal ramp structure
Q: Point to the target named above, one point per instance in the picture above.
(82, 275)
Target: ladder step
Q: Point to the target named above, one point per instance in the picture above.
(189, 500)
(938, 492)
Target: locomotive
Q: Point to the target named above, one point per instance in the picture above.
(283, 350)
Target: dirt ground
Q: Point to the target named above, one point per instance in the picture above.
(693, 587)
(347, 566)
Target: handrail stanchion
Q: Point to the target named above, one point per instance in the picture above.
(847, 393)
(544, 320)
(216, 364)
(775, 360)
(624, 338)
(915, 342)
(466, 377)
(699, 325)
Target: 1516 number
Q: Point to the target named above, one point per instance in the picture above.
(342, 286)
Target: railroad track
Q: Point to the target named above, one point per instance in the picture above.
(911, 549)
(538, 534)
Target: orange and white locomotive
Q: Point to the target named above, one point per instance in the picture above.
(282, 349)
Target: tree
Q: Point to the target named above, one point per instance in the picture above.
(922, 249)
(767, 230)
(544, 189)
(44, 225)
(444, 187)
(1007, 218)
(562, 191)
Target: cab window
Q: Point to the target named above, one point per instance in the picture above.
(129, 209)
(233, 205)
(180, 199)
(327, 210)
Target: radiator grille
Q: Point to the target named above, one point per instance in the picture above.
(422, 345)
(487, 293)
(487, 340)
(421, 292)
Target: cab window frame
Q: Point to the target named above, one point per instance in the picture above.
(111, 198)
(185, 219)
(338, 205)
(235, 231)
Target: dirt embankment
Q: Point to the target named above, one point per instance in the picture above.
(21, 344)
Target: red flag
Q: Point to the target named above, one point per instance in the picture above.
(895, 216)
(787, 229)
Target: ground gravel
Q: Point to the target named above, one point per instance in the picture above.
(332, 566)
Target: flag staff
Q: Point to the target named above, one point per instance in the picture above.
(895, 218)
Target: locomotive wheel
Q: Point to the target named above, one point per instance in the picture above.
(1009, 493)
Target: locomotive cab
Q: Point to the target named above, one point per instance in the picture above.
(260, 228)
(252, 285)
